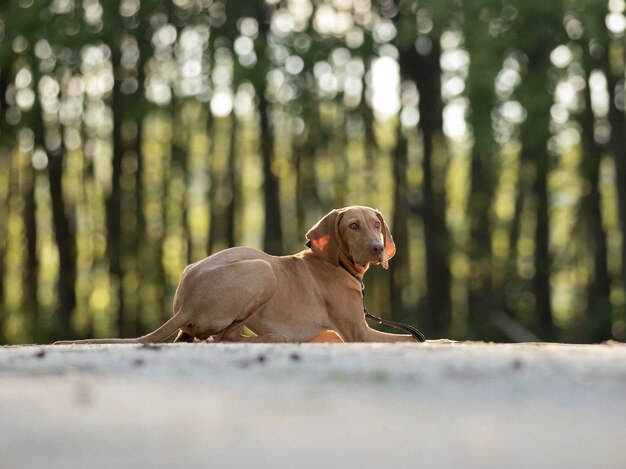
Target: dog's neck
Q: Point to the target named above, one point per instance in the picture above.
(354, 269)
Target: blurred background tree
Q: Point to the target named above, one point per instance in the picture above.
(137, 136)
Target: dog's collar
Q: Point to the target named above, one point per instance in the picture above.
(357, 277)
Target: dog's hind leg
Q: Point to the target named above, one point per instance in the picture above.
(223, 298)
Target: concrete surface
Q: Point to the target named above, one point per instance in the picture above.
(313, 406)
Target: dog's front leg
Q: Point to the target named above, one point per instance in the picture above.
(354, 328)
(372, 335)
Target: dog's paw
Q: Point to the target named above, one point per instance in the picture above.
(328, 336)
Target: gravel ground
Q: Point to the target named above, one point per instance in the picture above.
(463, 405)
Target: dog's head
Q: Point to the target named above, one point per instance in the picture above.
(356, 234)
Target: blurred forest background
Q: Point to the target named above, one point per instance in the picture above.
(137, 136)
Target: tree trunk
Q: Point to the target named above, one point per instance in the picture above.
(140, 224)
(599, 314)
(31, 273)
(369, 141)
(617, 145)
(231, 182)
(5, 140)
(66, 241)
(273, 233)
(113, 201)
(337, 146)
(437, 303)
(399, 268)
(535, 133)
(221, 192)
(307, 198)
(64, 228)
(425, 71)
(483, 181)
(543, 258)
(138, 103)
(480, 291)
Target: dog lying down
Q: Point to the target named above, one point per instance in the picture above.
(312, 296)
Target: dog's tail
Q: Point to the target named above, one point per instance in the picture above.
(177, 321)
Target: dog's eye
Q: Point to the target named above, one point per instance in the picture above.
(354, 226)
(377, 224)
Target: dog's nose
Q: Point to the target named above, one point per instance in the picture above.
(377, 248)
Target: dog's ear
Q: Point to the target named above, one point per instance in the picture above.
(323, 237)
(390, 246)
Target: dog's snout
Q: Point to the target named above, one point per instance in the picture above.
(377, 248)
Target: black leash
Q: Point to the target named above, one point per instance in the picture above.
(417, 335)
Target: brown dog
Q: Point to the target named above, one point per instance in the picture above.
(295, 298)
